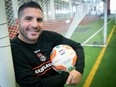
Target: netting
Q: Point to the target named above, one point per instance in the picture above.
(55, 22)
(60, 14)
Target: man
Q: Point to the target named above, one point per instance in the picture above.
(31, 52)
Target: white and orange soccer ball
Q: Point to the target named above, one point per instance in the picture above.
(63, 58)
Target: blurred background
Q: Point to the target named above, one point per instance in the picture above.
(90, 22)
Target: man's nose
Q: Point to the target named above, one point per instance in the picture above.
(34, 23)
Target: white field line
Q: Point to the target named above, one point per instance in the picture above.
(83, 44)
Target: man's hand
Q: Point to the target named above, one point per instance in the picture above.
(74, 78)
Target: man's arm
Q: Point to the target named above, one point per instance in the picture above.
(75, 75)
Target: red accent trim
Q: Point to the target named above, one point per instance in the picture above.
(41, 65)
(43, 72)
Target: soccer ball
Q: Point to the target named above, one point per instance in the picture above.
(63, 58)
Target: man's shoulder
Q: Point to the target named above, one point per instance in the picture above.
(15, 43)
(14, 40)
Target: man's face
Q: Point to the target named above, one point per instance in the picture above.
(30, 25)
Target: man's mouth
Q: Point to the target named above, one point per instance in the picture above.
(33, 30)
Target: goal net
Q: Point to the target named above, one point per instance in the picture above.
(80, 20)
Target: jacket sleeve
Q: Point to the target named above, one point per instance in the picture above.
(25, 76)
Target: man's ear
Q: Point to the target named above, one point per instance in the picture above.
(17, 21)
(17, 24)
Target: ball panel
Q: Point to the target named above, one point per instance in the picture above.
(53, 54)
(63, 58)
(74, 60)
(59, 68)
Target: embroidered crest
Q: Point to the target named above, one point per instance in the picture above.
(40, 55)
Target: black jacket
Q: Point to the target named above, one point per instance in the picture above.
(30, 71)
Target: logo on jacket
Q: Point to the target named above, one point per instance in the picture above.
(41, 57)
(43, 68)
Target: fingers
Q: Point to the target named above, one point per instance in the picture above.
(69, 80)
(74, 78)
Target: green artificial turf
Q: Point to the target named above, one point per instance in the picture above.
(91, 54)
(105, 75)
(83, 32)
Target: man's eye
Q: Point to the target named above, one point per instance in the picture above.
(28, 18)
(40, 19)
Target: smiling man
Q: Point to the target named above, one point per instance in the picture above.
(30, 24)
(31, 50)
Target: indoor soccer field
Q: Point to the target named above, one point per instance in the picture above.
(100, 63)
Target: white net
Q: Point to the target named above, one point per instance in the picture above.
(80, 20)
(54, 18)
(9, 12)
